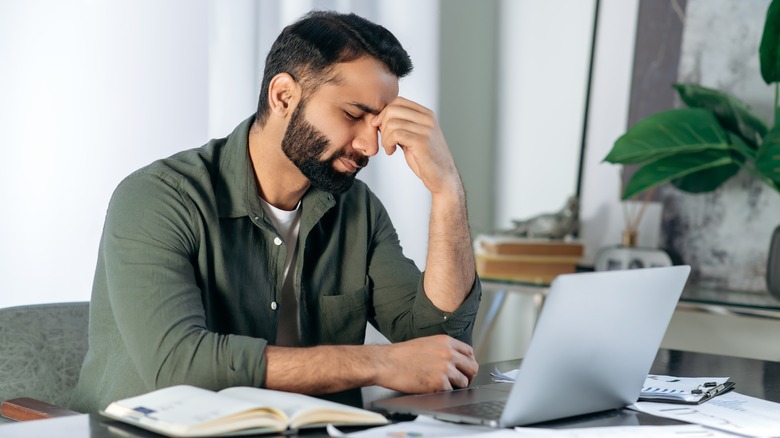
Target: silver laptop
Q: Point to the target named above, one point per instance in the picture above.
(592, 348)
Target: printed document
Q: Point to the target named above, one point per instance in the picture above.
(731, 412)
(687, 431)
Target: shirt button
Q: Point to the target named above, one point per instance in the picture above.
(445, 317)
(277, 241)
(273, 305)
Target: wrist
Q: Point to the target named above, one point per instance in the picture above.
(380, 357)
(451, 195)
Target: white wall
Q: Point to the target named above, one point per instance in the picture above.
(90, 91)
(235, 60)
(94, 90)
(403, 194)
(600, 209)
(600, 212)
(544, 54)
(542, 73)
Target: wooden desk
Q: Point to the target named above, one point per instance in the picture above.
(756, 378)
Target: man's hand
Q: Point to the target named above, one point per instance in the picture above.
(429, 364)
(450, 267)
(434, 363)
(414, 129)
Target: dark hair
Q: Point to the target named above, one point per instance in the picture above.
(308, 48)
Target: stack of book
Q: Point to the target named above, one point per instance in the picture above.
(525, 260)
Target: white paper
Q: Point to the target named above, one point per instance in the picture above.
(732, 412)
(690, 431)
(501, 377)
(423, 426)
(678, 388)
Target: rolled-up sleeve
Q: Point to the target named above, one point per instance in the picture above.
(402, 308)
(458, 324)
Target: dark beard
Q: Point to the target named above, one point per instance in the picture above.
(304, 144)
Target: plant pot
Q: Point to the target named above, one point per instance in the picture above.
(773, 265)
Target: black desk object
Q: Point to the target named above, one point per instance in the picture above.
(756, 378)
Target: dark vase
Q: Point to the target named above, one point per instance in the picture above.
(773, 265)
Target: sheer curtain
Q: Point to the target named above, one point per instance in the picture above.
(240, 35)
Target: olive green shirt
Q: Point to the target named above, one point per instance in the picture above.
(190, 271)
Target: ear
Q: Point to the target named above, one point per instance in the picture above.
(284, 93)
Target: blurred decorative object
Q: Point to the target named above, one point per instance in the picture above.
(633, 218)
(700, 147)
(550, 225)
(524, 259)
(626, 257)
(773, 265)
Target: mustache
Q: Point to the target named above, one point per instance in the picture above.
(359, 159)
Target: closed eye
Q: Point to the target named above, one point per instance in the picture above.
(352, 117)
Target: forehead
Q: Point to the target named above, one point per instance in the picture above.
(364, 81)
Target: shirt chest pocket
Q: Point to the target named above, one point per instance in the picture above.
(343, 318)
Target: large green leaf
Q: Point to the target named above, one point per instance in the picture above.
(738, 145)
(710, 179)
(732, 113)
(669, 133)
(679, 166)
(769, 50)
(706, 180)
(768, 158)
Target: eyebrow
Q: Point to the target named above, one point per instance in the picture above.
(365, 108)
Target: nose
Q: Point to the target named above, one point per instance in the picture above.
(366, 141)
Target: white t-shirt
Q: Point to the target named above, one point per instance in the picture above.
(288, 224)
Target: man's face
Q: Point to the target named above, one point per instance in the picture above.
(304, 145)
(329, 136)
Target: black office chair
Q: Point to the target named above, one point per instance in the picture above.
(41, 350)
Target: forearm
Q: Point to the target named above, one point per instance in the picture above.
(450, 268)
(432, 363)
(322, 369)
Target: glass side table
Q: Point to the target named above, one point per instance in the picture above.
(727, 322)
(730, 302)
(500, 290)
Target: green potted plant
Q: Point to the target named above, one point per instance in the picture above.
(700, 147)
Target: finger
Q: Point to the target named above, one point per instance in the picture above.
(388, 145)
(394, 124)
(467, 365)
(464, 358)
(457, 376)
(393, 112)
(457, 382)
(406, 103)
(462, 347)
(469, 369)
(398, 137)
(404, 109)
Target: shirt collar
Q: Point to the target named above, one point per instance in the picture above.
(236, 185)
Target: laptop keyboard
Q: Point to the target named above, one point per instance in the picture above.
(487, 409)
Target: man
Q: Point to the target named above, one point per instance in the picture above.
(258, 259)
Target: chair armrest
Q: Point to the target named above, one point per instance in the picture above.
(26, 409)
